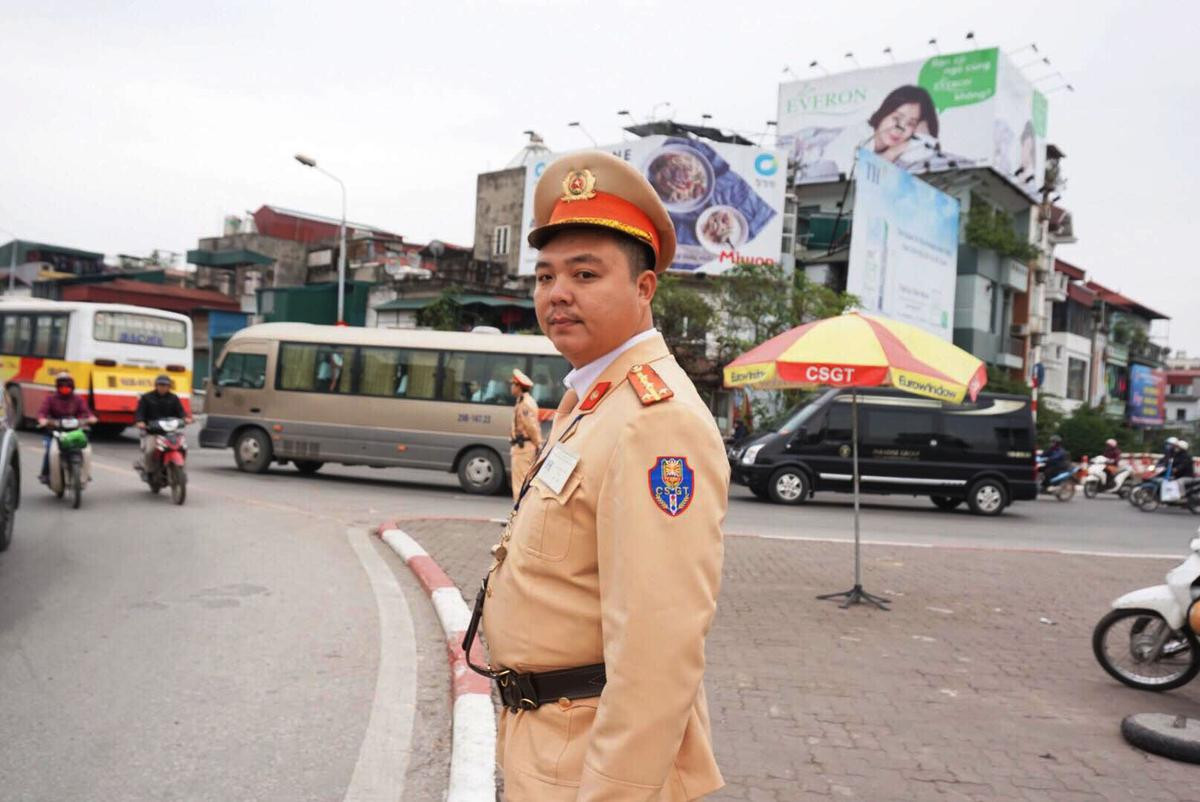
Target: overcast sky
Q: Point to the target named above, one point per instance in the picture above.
(132, 126)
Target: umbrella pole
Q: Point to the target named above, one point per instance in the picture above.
(856, 594)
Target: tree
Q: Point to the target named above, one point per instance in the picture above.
(1000, 380)
(681, 312)
(442, 314)
(812, 300)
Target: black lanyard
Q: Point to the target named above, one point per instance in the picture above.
(541, 459)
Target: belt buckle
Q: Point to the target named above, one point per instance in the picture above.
(516, 691)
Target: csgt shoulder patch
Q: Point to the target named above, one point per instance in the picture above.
(672, 485)
(648, 385)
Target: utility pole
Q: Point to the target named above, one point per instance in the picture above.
(1043, 272)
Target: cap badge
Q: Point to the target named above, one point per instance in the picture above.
(579, 185)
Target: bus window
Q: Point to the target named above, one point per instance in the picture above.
(128, 327)
(397, 373)
(22, 335)
(316, 368)
(49, 336)
(548, 373)
(480, 377)
(243, 370)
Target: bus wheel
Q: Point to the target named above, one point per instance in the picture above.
(252, 451)
(480, 472)
(12, 407)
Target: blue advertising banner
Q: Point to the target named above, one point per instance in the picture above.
(1147, 396)
(903, 247)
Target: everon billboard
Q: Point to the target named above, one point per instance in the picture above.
(953, 111)
(726, 201)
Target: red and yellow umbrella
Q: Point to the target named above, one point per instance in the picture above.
(857, 350)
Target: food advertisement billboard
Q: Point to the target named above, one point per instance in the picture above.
(903, 247)
(952, 111)
(725, 200)
(1147, 396)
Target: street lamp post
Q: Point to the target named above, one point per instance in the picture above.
(308, 161)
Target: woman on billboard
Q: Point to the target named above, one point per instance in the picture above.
(907, 111)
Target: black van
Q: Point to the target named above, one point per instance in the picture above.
(981, 452)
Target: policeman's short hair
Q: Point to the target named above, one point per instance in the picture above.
(639, 256)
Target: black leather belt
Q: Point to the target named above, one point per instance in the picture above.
(531, 691)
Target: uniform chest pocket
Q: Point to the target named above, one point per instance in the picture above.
(553, 520)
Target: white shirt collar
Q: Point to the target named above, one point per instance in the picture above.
(581, 379)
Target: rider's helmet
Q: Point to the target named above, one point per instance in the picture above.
(1181, 445)
(1110, 442)
(1055, 440)
(64, 384)
(1172, 443)
(163, 379)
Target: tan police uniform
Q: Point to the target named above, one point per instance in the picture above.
(526, 432)
(613, 556)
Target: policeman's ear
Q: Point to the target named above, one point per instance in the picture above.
(647, 285)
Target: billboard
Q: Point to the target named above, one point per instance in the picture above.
(1147, 396)
(903, 247)
(953, 111)
(726, 201)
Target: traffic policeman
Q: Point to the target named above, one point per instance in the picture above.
(526, 430)
(605, 580)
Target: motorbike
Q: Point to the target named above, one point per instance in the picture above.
(1061, 485)
(70, 459)
(1148, 640)
(1101, 480)
(166, 466)
(1156, 491)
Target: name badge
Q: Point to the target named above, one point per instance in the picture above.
(557, 468)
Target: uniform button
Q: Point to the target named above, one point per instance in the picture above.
(499, 551)
(564, 703)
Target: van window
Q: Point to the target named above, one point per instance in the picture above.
(986, 434)
(316, 368)
(897, 426)
(548, 373)
(397, 373)
(479, 377)
(243, 370)
(837, 426)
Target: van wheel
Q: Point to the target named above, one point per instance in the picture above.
(987, 497)
(788, 485)
(945, 502)
(252, 451)
(480, 471)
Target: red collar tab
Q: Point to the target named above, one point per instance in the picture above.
(593, 398)
(649, 385)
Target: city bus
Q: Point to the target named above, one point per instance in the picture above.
(310, 395)
(113, 351)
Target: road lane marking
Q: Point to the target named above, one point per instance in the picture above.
(383, 759)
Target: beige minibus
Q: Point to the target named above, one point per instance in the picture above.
(310, 395)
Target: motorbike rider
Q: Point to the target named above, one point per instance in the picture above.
(1163, 469)
(1112, 456)
(62, 403)
(1182, 464)
(155, 405)
(1057, 460)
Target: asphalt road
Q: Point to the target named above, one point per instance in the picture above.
(230, 649)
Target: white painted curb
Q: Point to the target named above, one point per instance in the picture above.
(473, 746)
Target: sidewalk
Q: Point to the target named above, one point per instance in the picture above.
(958, 693)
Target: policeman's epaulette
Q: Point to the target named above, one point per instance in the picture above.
(648, 385)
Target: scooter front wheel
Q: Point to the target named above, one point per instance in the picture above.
(1091, 488)
(75, 482)
(1124, 644)
(178, 481)
(1145, 498)
(1065, 491)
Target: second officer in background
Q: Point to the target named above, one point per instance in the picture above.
(526, 431)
